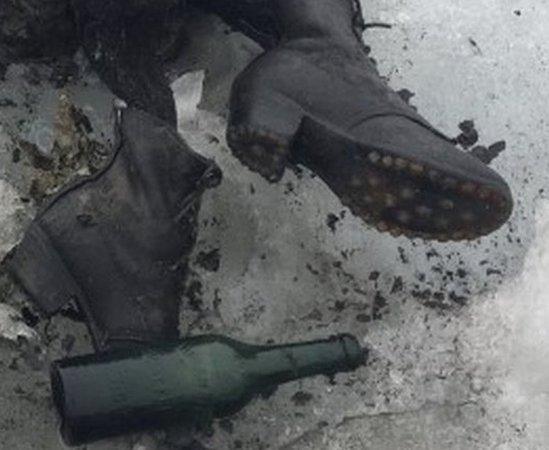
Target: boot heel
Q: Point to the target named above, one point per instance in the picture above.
(40, 270)
(261, 129)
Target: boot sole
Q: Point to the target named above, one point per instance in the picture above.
(387, 191)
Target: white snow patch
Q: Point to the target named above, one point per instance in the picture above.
(507, 339)
(526, 389)
(10, 213)
(188, 90)
(12, 326)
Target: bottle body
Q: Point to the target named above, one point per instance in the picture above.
(197, 379)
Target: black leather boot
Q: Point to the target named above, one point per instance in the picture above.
(317, 100)
(116, 242)
(123, 41)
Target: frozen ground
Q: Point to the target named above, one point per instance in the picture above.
(458, 331)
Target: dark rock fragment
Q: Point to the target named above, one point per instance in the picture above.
(487, 155)
(29, 317)
(332, 221)
(301, 398)
(210, 261)
(406, 95)
(469, 135)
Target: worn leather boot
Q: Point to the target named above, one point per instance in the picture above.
(116, 242)
(318, 100)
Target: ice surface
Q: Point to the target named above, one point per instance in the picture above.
(524, 305)
(12, 326)
(10, 226)
(458, 331)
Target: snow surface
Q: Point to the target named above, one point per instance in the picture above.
(463, 372)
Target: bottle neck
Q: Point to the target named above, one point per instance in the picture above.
(281, 364)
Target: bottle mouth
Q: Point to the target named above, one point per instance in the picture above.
(356, 354)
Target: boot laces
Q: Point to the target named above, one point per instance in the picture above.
(359, 25)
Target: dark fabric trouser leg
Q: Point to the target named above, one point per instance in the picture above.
(121, 41)
(254, 18)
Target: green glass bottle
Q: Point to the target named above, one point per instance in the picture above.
(194, 380)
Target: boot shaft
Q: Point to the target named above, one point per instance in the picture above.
(340, 21)
(269, 21)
